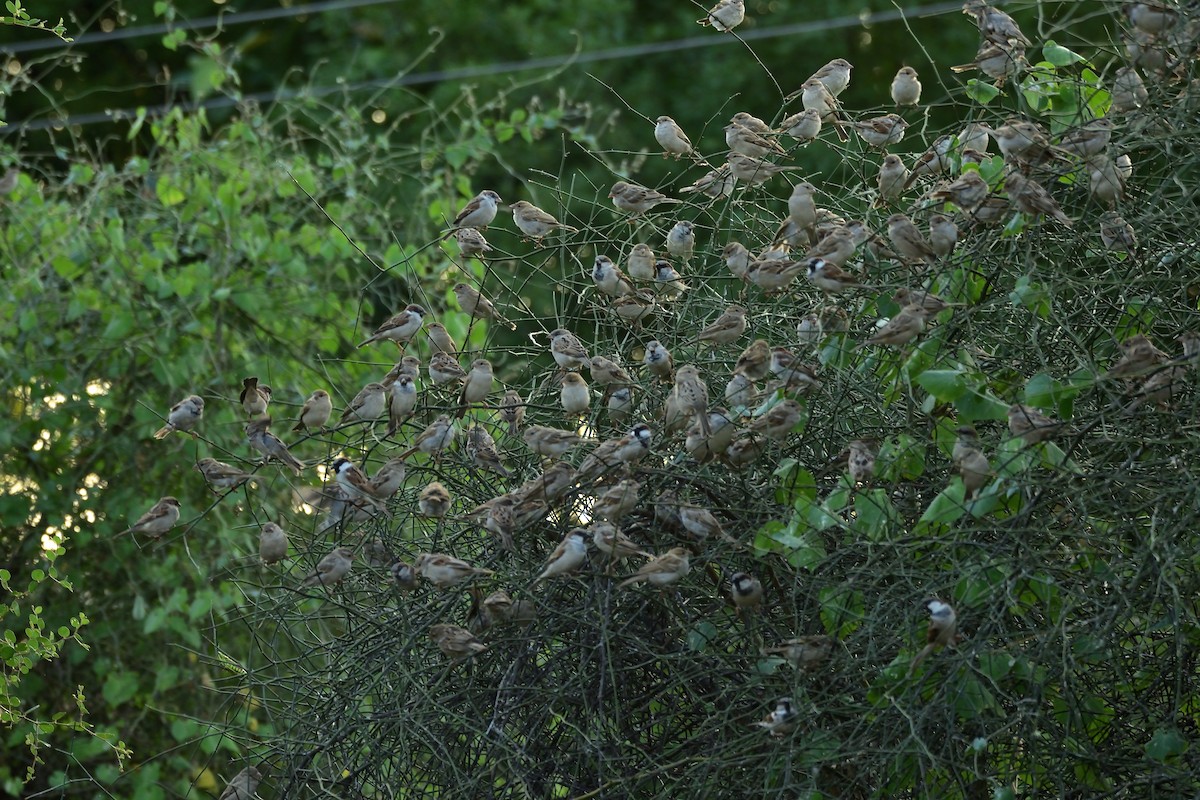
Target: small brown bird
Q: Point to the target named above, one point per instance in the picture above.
(367, 406)
(725, 15)
(671, 138)
(902, 328)
(746, 590)
(920, 297)
(569, 353)
(551, 442)
(805, 653)
(881, 131)
(479, 212)
(755, 170)
(434, 501)
(741, 139)
(973, 468)
(661, 571)
(658, 360)
(315, 413)
(476, 305)
(254, 397)
(755, 361)
(388, 479)
(966, 191)
(445, 571)
(567, 558)
(182, 417)
(715, 183)
(636, 199)
(471, 243)
(435, 438)
(614, 453)
(575, 396)
(779, 420)
(1031, 425)
(614, 543)
(692, 395)
(272, 543)
(906, 87)
(457, 643)
(994, 24)
(943, 235)
(942, 631)
(829, 277)
(782, 720)
(330, 569)
(609, 279)
(727, 328)
(243, 786)
(607, 372)
(405, 576)
(1031, 198)
(1116, 234)
(512, 411)
(440, 340)
(481, 447)
(860, 461)
(892, 176)
(401, 402)
(477, 385)
(269, 444)
(908, 241)
(399, 328)
(617, 501)
(445, 369)
(535, 223)
(354, 483)
(220, 475)
(1138, 356)
(804, 126)
(161, 517)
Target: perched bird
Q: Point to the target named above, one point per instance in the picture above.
(220, 475)
(401, 402)
(943, 235)
(161, 517)
(614, 453)
(700, 522)
(741, 139)
(367, 406)
(616, 501)
(994, 24)
(607, 372)
(613, 543)
(836, 247)
(779, 421)
(435, 438)
(661, 571)
(476, 305)
(272, 543)
(972, 464)
(901, 329)
(479, 212)
(353, 482)
(243, 786)
(796, 375)
(388, 479)
(445, 369)
(315, 412)
(704, 447)
(1116, 234)
(906, 88)
(609, 278)
(773, 275)
(1138, 356)
(569, 353)
(816, 96)
(692, 395)
(755, 361)
(908, 241)
(746, 590)
(744, 450)
(1106, 181)
(860, 461)
(737, 259)
(457, 643)
(966, 191)
(408, 365)
(476, 386)
(1024, 142)
(269, 444)
(782, 719)
(881, 131)
(535, 223)
(1031, 197)
(641, 262)
(658, 360)
(1128, 91)
(933, 161)
(804, 126)
(750, 122)
(927, 300)
(1031, 425)
(620, 405)
(754, 170)
(942, 631)
(805, 653)
(550, 485)
(637, 199)
(727, 328)
(399, 328)
(1089, 139)
(829, 277)
(715, 183)
(725, 15)
(740, 391)
(481, 448)
(254, 397)
(330, 569)
(183, 416)
(471, 243)
(892, 176)
(551, 442)
(681, 241)
(439, 339)
(512, 411)
(434, 501)
(445, 571)
(671, 138)
(575, 396)
(567, 558)
(405, 577)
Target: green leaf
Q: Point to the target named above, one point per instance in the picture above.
(842, 610)
(700, 636)
(169, 193)
(119, 687)
(1030, 295)
(995, 664)
(947, 385)
(1166, 744)
(942, 510)
(874, 514)
(1058, 55)
(981, 91)
(971, 698)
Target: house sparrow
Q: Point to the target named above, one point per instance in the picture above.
(512, 411)
(1089, 139)
(161, 517)
(445, 571)
(315, 412)
(354, 483)
(1031, 425)
(658, 360)
(272, 543)
(1138, 356)
(927, 300)
(439, 340)
(782, 720)
(641, 263)
(405, 577)
(661, 571)
(974, 469)
(725, 15)
(906, 88)
(435, 438)
(550, 485)
(401, 402)
(741, 139)
(616, 501)
(551, 442)
(1116, 234)
(780, 419)
(476, 305)
(892, 175)
(635, 307)
(700, 522)
(805, 653)
(773, 275)
(408, 365)
(1153, 18)
(609, 279)
(367, 406)
(796, 375)
(727, 328)
(908, 241)
(860, 461)
(269, 444)
(1024, 142)
(901, 329)
(804, 126)
(671, 138)
(746, 590)
(737, 259)
(836, 247)
(933, 161)
(613, 543)
(607, 372)
(715, 183)
(740, 391)
(567, 350)
(1031, 198)
(966, 191)
(991, 211)
(994, 24)
(575, 395)
(388, 479)
(457, 643)
(330, 569)
(636, 199)
(692, 395)
(445, 369)
(755, 361)
(828, 277)
(476, 386)
(1106, 183)
(399, 328)
(254, 397)
(704, 447)
(471, 243)
(434, 501)
(881, 131)
(681, 241)
(567, 558)
(815, 96)
(620, 405)
(242, 786)
(479, 212)
(750, 122)
(481, 448)
(754, 170)
(535, 223)
(744, 450)
(183, 416)
(613, 453)
(943, 235)
(942, 631)
(220, 475)
(1128, 91)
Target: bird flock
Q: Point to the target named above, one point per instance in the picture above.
(668, 417)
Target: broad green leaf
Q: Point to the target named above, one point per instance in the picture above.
(981, 91)
(947, 385)
(1166, 744)
(842, 610)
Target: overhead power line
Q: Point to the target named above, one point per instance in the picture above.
(500, 68)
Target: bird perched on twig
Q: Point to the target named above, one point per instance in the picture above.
(182, 417)
(942, 631)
